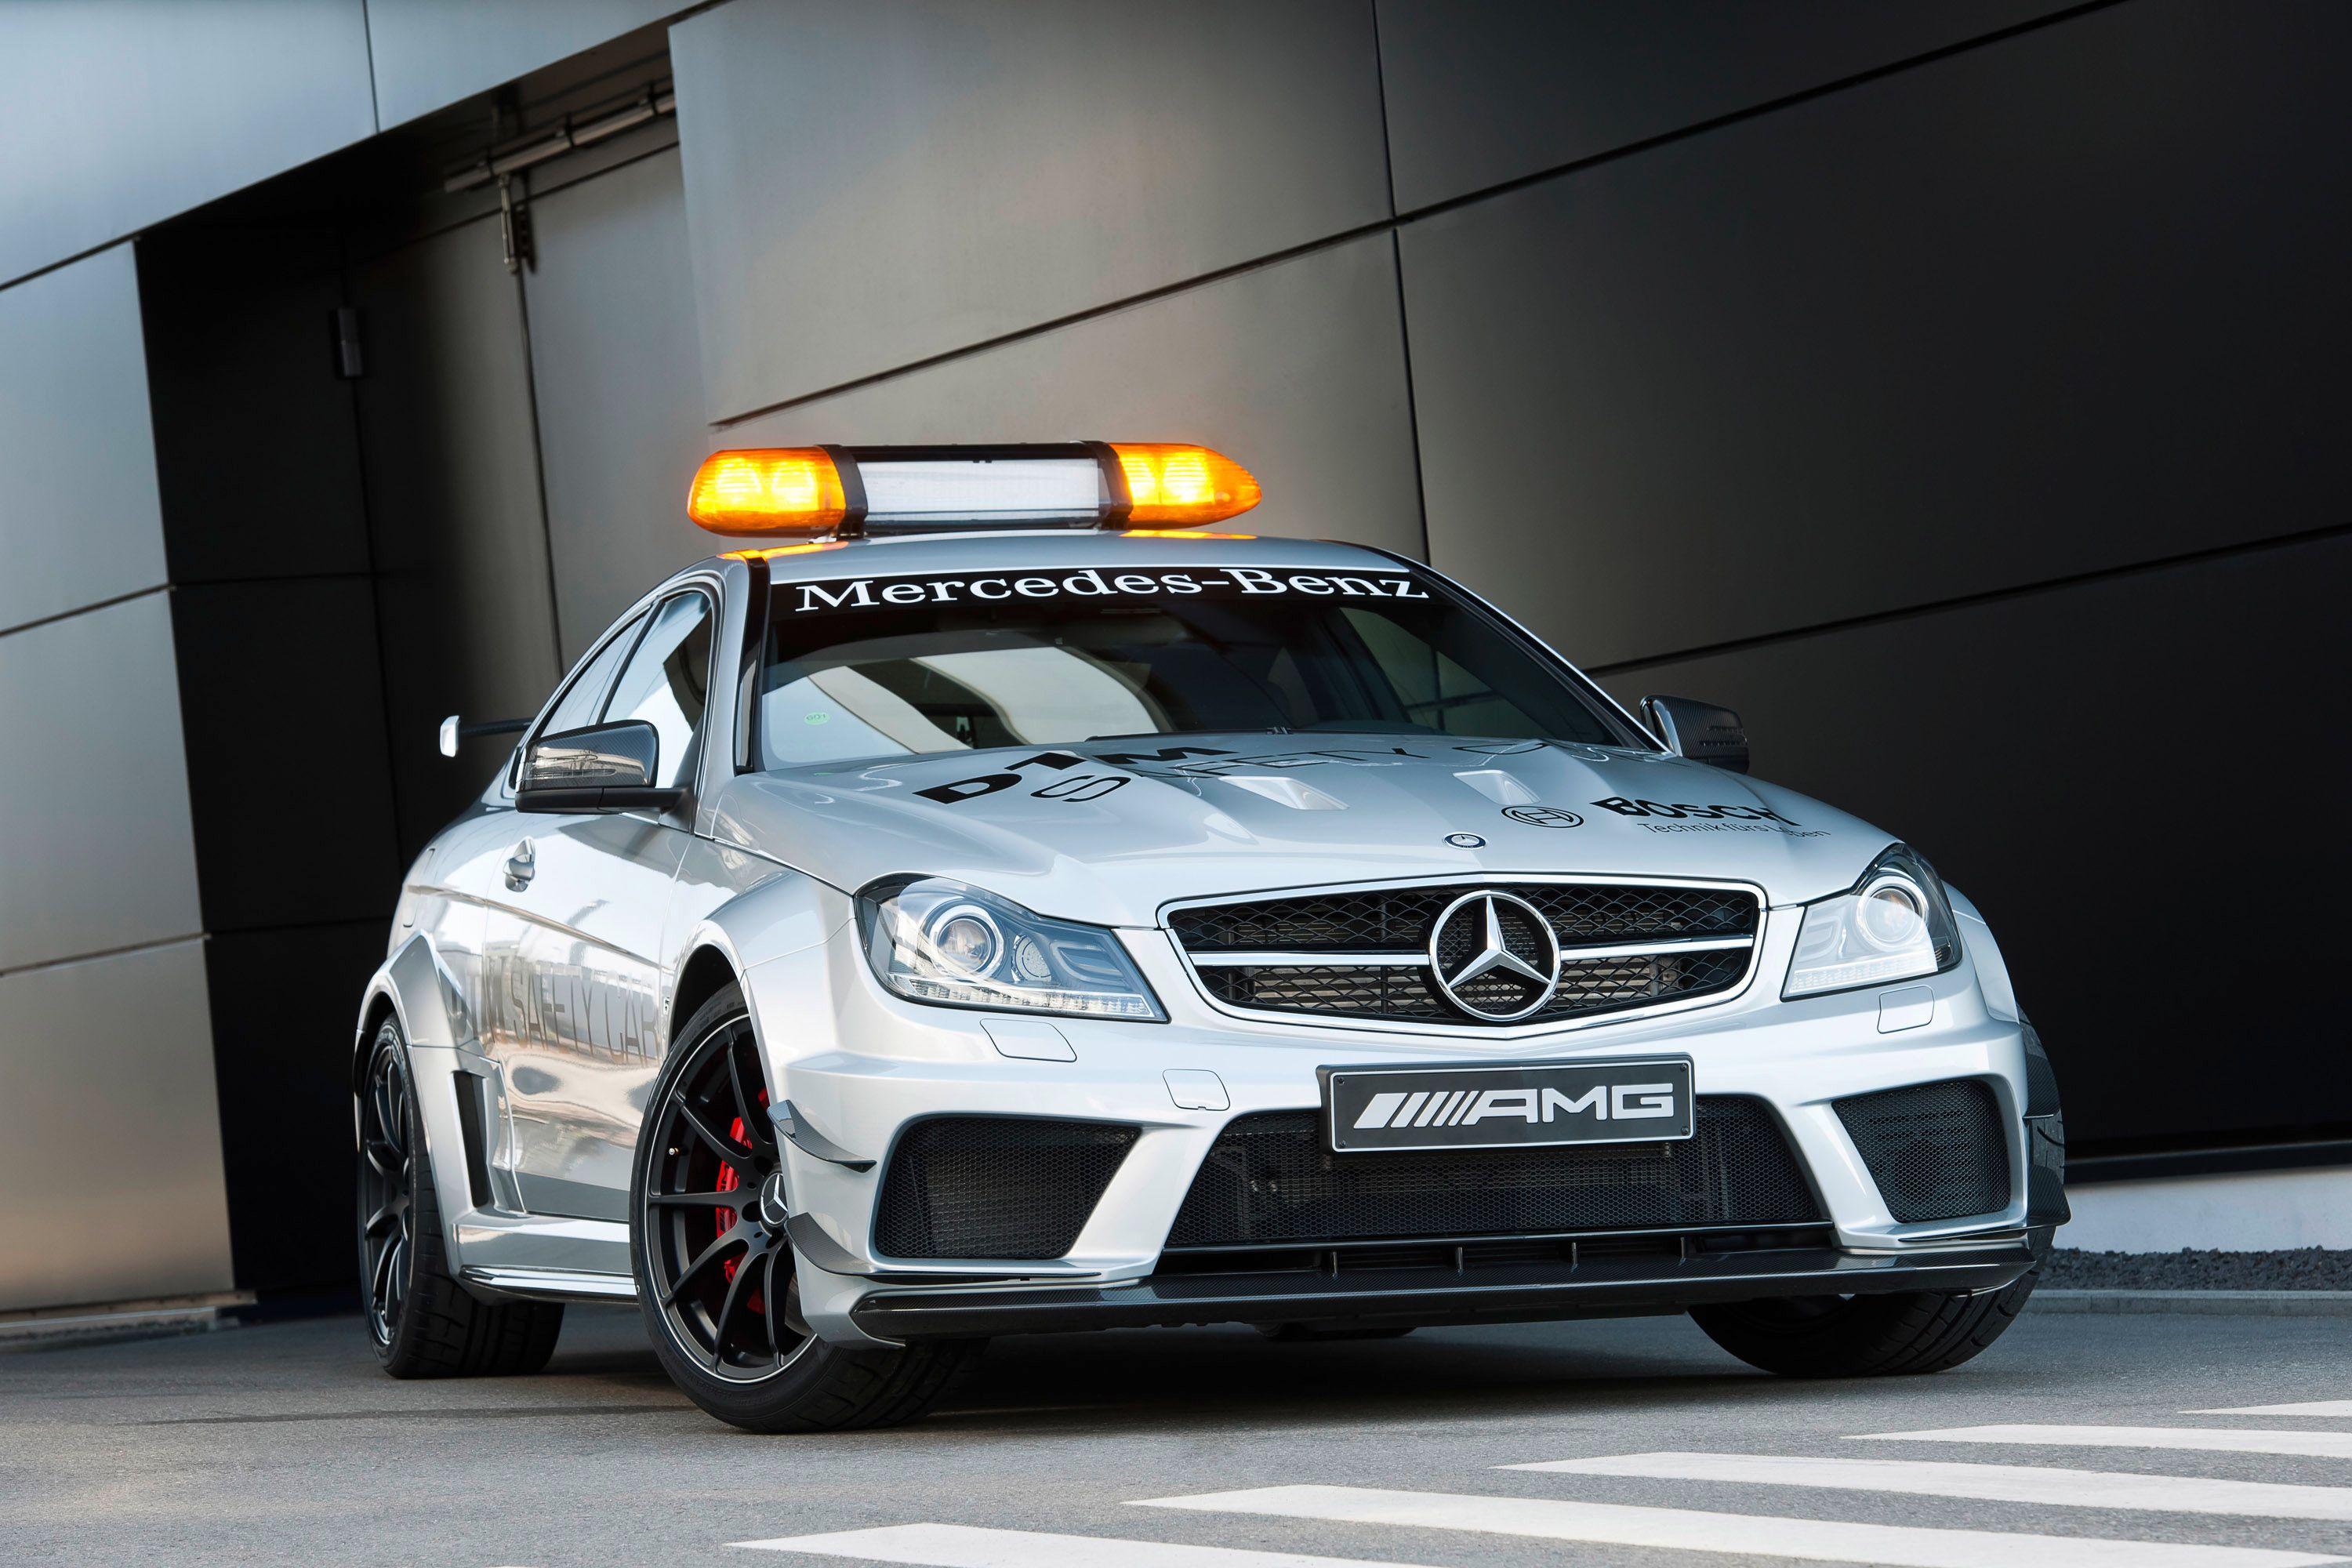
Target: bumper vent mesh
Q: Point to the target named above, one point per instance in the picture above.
(1269, 1179)
(1937, 1150)
(994, 1186)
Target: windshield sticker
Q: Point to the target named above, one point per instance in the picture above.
(897, 592)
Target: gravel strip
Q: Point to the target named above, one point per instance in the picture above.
(2304, 1268)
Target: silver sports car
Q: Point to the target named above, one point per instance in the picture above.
(992, 901)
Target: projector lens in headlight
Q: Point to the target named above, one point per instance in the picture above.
(1895, 923)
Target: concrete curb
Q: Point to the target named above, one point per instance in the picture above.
(2243, 1304)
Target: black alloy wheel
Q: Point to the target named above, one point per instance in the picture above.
(423, 1323)
(716, 1274)
(714, 1207)
(387, 1176)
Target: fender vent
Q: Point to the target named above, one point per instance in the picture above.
(996, 1186)
(1937, 1150)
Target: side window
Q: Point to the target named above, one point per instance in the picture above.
(577, 709)
(665, 680)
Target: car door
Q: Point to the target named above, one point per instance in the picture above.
(574, 936)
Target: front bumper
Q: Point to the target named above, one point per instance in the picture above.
(1606, 1287)
(857, 1066)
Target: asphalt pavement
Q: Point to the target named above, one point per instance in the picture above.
(2077, 1439)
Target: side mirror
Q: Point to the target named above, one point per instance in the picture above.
(1699, 731)
(605, 767)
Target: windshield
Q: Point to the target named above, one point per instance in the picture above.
(892, 666)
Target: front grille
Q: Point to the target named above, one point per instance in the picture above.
(994, 1186)
(1321, 948)
(1269, 1179)
(1937, 1150)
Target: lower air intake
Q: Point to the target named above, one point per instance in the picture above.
(996, 1186)
(1937, 1150)
(1270, 1179)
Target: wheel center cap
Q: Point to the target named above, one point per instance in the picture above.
(773, 1209)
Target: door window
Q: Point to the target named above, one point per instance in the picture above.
(665, 681)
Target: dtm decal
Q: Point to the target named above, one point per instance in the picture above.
(1075, 788)
(889, 592)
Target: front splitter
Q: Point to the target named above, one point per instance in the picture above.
(1418, 1297)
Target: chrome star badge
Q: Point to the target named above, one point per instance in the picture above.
(1494, 956)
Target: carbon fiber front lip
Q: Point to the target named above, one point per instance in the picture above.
(1500, 1293)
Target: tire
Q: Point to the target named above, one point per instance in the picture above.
(422, 1322)
(1865, 1336)
(716, 1275)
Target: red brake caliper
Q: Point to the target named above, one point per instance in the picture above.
(729, 1180)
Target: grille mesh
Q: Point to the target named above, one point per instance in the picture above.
(1269, 1179)
(1398, 920)
(994, 1186)
(1937, 1150)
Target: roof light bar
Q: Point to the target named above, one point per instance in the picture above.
(811, 493)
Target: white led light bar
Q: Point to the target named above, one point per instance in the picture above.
(982, 491)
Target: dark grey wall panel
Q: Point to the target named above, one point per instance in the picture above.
(2099, 767)
(429, 53)
(254, 441)
(117, 113)
(2062, 301)
(453, 510)
(612, 338)
(106, 1085)
(281, 700)
(870, 186)
(1480, 95)
(1296, 371)
(283, 1004)
(78, 519)
(95, 844)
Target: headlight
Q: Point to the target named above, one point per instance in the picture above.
(1895, 923)
(931, 940)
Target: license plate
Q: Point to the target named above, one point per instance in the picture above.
(1514, 1106)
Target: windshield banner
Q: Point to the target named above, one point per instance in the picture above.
(1231, 581)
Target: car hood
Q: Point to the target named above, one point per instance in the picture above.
(1109, 832)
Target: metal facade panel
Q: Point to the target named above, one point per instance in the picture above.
(96, 848)
(460, 546)
(111, 1054)
(871, 185)
(430, 53)
(79, 522)
(117, 113)
(2032, 748)
(2037, 309)
(1480, 95)
(1296, 371)
(611, 339)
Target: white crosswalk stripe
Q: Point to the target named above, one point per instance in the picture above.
(2311, 1407)
(1899, 1546)
(963, 1546)
(2210, 1439)
(1992, 1483)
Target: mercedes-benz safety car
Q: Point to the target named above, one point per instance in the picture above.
(992, 900)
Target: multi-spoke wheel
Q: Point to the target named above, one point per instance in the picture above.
(423, 1323)
(715, 1272)
(385, 1177)
(714, 1215)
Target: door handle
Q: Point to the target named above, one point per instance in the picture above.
(520, 868)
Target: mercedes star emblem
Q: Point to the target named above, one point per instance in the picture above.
(1503, 940)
